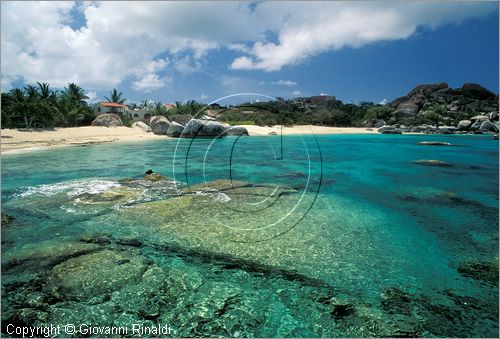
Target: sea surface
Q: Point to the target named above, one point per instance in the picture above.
(293, 236)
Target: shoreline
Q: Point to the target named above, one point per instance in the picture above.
(14, 141)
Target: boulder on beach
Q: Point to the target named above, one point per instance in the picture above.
(203, 128)
(389, 130)
(464, 125)
(181, 119)
(488, 126)
(479, 118)
(446, 129)
(272, 133)
(174, 130)
(236, 130)
(159, 124)
(142, 125)
(107, 120)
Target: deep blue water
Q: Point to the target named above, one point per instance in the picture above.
(411, 248)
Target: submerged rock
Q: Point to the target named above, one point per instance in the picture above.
(426, 162)
(486, 271)
(7, 219)
(94, 274)
(45, 253)
(342, 310)
(154, 177)
(434, 143)
(96, 238)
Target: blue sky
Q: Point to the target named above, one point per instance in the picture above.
(361, 51)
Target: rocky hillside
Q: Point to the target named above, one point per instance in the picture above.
(440, 109)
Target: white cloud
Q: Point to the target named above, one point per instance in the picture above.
(323, 94)
(187, 65)
(284, 83)
(150, 82)
(315, 27)
(119, 42)
(242, 63)
(239, 47)
(295, 93)
(92, 96)
(383, 102)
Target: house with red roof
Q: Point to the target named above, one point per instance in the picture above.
(112, 107)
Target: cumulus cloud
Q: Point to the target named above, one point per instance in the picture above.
(383, 102)
(150, 82)
(295, 93)
(284, 83)
(118, 42)
(315, 27)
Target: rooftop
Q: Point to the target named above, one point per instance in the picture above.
(111, 104)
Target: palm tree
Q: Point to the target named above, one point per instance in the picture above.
(116, 97)
(76, 94)
(145, 103)
(43, 89)
(31, 92)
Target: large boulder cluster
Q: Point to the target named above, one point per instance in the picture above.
(469, 109)
(184, 126)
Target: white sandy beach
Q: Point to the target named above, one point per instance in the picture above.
(16, 141)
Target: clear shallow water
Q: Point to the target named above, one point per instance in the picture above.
(346, 239)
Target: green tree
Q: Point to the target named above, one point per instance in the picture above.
(75, 94)
(116, 97)
(378, 112)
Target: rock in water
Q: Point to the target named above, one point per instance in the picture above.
(203, 128)
(142, 125)
(107, 120)
(237, 130)
(434, 143)
(154, 177)
(426, 162)
(94, 274)
(149, 171)
(159, 124)
(175, 130)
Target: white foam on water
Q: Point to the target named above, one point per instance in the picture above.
(73, 188)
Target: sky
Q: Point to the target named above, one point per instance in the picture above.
(172, 51)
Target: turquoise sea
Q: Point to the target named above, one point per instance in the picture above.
(300, 236)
